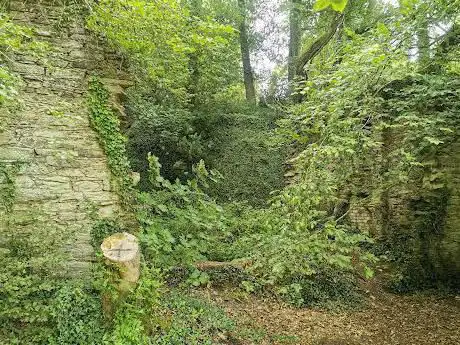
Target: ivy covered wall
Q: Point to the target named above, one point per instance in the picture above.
(415, 218)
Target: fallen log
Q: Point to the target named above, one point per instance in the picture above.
(210, 265)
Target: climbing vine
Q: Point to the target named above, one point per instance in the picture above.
(107, 125)
(8, 174)
(14, 39)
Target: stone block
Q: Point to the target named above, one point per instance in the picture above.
(87, 186)
(79, 37)
(28, 69)
(34, 84)
(44, 33)
(24, 181)
(108, 211)
(34, 194)
(100, 197)
(77, 55)
(16, 154)
(67, 73)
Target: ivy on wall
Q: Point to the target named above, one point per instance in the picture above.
(30, 270)
(8, 174)
(107, 126)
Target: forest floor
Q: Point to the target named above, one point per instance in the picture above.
(385, 319)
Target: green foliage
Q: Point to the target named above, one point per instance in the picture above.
(182, 225)
(234, 138)
(130, 26)
(427, 109)
(103, 228)
(180, 55)
(357, 105)
(189, 60)
(167, 132)
(153, 315)
(293, 253)
(107, 125)
(29, 271)
(189, 320)
(332, 289)
(29, 279)
(358, 101)
(8, 173)
(134, 320)
(13, 39)
(180, 221)
(239, 146)
(169, 317)
(336, 5)
(78, 316)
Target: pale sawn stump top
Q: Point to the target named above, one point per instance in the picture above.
(120, 247)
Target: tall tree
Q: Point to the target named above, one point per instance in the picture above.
(196, 10)
(317, 46)
(294, 38)
(245, 54)
(423, 41)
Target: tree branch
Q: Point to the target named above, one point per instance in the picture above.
(319, 44)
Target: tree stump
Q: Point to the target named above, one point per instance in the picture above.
(122, 250)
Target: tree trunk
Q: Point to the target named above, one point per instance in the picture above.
(245, 55)
(196, 10)
(210, 265)
(423, 43)
(294, 39)
(318, 45)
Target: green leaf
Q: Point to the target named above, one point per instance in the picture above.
(321, 5)
(368, 272)
(382, 29)
(434, 141)
(162, 208)
(339, 5)
(248, 286)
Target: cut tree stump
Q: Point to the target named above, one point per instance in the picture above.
(122, 250)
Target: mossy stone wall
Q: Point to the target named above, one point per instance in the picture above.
(63, 171)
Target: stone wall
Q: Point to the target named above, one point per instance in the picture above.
(449, 246)
(436, 239)
(62, 169)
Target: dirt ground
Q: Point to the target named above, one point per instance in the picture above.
(387, 319)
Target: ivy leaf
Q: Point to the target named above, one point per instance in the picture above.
(162, 208)
(434, 141)
(248, 286)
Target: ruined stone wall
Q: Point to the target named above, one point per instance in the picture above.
(438, 240)
(449, 246)
(62, 170)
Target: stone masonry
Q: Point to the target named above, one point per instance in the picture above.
(63, 171)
